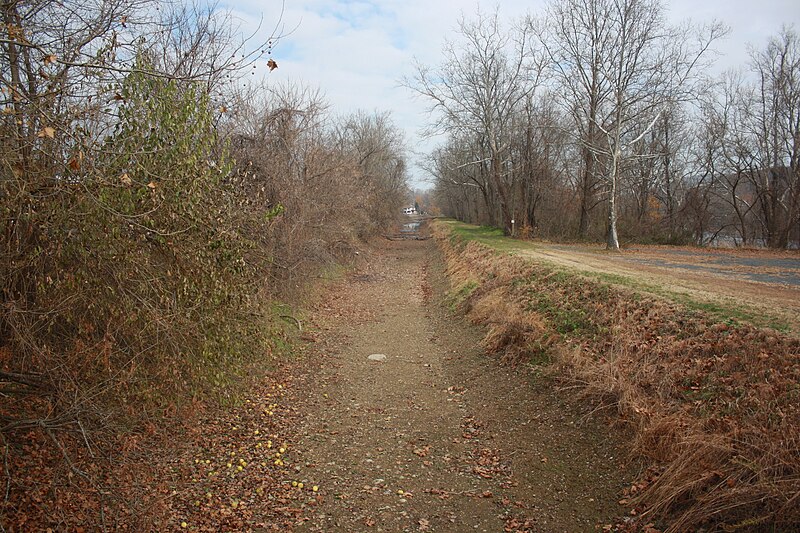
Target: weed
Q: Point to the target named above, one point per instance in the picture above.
(565, 319)
(726, 312)
(458, 295)
(540, 353)
(486, 235)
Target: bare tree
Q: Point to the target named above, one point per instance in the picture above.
(577, 38)
(540, 161)
(750, 131)
(648, 69)
(774, 118)
(375, 143)
(475, 92)
(724, 154)
(461, 178)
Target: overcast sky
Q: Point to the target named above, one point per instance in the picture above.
(357, 51)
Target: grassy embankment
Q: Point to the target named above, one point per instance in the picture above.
(494, 238)
(713, 402)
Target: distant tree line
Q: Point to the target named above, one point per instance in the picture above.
(596, 119)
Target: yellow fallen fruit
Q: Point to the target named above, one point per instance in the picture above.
(184, 525)
(300, 485)
(315, 488)
(294, 483)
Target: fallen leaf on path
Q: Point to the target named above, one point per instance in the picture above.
(422, 452)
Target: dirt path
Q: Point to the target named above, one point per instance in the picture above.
(440, 437)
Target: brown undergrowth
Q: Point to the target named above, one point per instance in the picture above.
(64, 476)
(713, 406)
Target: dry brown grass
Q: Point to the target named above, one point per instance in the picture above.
(514, 334)
(713, 406)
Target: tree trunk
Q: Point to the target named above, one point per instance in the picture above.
(588, 174)
(668, 180)
(583, 225)
(10, 18)
(612, 240)
(502, 192)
